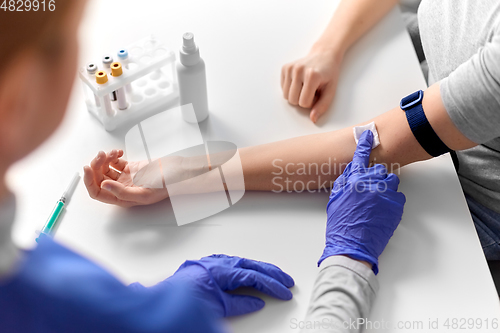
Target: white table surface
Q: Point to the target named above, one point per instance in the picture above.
(432, 268)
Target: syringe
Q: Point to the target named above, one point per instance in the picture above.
(48, 229)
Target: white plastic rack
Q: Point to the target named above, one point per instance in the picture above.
(148, 79)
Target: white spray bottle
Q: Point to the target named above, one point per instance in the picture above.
(192, 80)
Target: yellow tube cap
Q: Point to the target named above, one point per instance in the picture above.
(101, 77)
(116, 69)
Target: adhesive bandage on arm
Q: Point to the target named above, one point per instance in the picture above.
(358, 130)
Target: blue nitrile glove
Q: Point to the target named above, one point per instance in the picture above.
(364, 208)
(211, 276)
(54, 290)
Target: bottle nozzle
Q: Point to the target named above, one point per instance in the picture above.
(188, 41)
(189, 53)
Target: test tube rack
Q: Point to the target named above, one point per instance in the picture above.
(148, 79)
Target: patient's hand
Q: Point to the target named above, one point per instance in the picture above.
(311, 82)
(113, 180)
(117, 187)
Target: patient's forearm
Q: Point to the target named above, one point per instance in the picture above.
(317, 160)
(312, 160)
(352, 19)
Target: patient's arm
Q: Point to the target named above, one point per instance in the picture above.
(398, 147)
(311, 81)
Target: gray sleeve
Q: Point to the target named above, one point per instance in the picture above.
(471, 94)
(343, 292)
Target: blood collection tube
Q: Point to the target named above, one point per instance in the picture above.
(101, 78)
(91, 70)
(117, 70)
(123, 56)
(107, 60)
